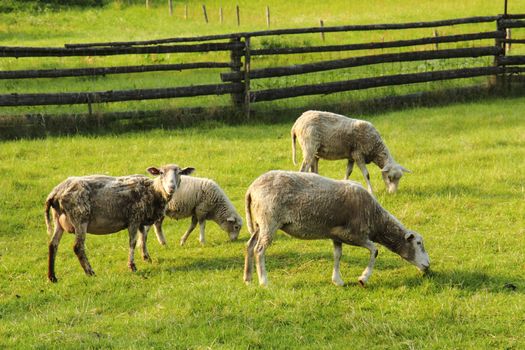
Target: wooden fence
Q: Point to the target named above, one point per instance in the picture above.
(237, 80)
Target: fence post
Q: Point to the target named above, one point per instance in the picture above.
(238, 16)
(185, 11)
(204, 12)
(221, 17)
(170, 5)
(499, 80)
(321, 24)
(268, 16)
(235, 60)
(247, 62)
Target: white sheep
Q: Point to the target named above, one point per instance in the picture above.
(332, 136)
(100, 204)
(309, 206)
(201, 199)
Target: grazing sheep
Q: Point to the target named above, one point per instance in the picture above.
(201, 199)
(309, 206)
(100, 204)
(332, 136)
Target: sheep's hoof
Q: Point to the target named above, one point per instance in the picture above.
(339, 283)
(146, 258)
(90, 272)
(52, 278)
(132, 267)
(361, 283)
(182, 242)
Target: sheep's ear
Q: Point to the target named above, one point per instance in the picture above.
(409, 236)
(187, 171)
(230, 219)
(405, 170)
(153, 171)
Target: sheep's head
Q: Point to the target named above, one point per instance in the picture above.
(232, 225)
(414, 251)
(392, 173)
(169, 176)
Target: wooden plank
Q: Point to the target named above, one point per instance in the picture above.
(382, 44)
(510, 60)
(77, 72)
(118, 95)
(247, 65)
(366, 27)
(514, 41)
(366, 83)
(364, 61)
(10, 51)
(511, 23)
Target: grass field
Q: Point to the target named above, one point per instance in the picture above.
(466, 196)
(120, 22)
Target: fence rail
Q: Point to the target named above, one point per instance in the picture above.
(237, 80)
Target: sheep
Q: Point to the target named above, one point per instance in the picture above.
(100, 204)
(309, 206)
(201, 199)
(332, 136)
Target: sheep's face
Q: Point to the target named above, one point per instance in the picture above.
(391, 176)
(170, 176)
(233, 226)
(415, 251)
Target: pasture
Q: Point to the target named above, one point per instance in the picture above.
(119, 21)
(466, 196)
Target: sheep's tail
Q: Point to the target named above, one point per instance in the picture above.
(248, 209)
(49, 203)
(293, 146)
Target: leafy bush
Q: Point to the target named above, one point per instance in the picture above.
(7, 6)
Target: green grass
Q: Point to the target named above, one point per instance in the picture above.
(119, 22)
(466, 196)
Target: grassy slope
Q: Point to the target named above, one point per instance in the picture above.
(465, 196)
(136, 23)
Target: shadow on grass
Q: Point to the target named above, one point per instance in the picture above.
(470, 281)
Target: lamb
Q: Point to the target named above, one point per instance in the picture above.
(201, 199)
(100, 204)
(332, 136)
(309, 206)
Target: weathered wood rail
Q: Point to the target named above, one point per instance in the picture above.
(240, 72)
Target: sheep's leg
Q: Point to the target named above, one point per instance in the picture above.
(349, 168)
(79, 248)
(314, 168)
(336, 274)
(264, 241)
(308, 158)
(53, 247)
(132, 230)
(202, 227)
(373, 255)
(248, 258)
(366, 175)
(142, 242)
(189, 230)
(159, 232)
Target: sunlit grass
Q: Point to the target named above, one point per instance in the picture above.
(465, 196)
